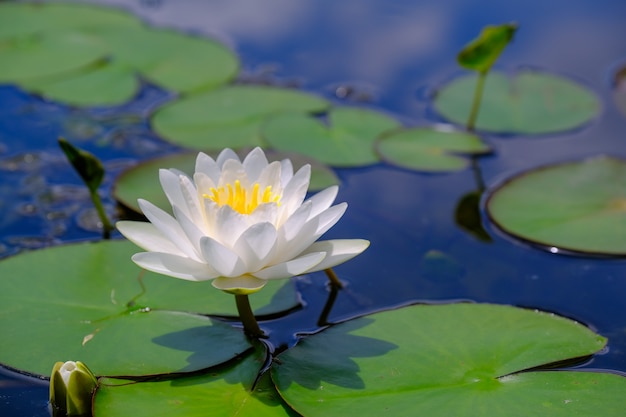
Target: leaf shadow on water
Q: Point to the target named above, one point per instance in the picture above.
(315, 360)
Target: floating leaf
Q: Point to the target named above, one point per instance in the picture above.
(347, 141)
(480, 54)
(142, 181)
(229, 117)
(173, 60)
(226, 391)
(447, 360)
(577, 206)
(18, 19)
(530, 102)
(44, 55)
(103, 85)
(90, 302)
(430, 149)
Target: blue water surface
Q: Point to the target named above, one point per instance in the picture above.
(382, 54)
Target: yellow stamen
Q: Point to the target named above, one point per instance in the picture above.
(243, 200)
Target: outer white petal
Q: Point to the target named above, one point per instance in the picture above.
(224, 156)
(294, 223)
(309, 233)
(244, 284)
(193, 233)
(148, 237)
(322, 200)
(190, 194)
(291, 268)
(295, 191)
(170, 183)
(330, 217)
(226, 262)
(256, 245)
(254, 163)
(337, 251)
(174, 266)
(207, 166)
(169, 227)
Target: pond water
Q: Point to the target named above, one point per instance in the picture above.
(385, 55)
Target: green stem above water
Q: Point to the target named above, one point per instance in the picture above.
(250, 325)
(478, 94)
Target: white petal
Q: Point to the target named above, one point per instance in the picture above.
(168, 226)
(226, 155)
(294, 223)
(330, 217)
(322, 200)
(207, 166)
(267, 212)
(146, 236)
(290, 246)
(226, 262)
(174, 266)
(171, 186)
(193, 233)
(229, 224)
(270, 176)
(254, 163)
(204, 183)
(291, 268)
(190, 194)
(256, 245)
(233, 171)
(244, 284)
(337, 251)
(295, 191)
(286, 172)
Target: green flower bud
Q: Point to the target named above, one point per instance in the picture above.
(71, 388)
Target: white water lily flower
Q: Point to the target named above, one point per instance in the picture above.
(240, 224)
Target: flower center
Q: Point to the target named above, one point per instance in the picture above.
(243, 200)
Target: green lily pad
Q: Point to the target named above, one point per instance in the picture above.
(530, 102)
(109, 84)
(229, 117)
(227, 391)
(173, 60)
(430, 149)
(18, 19)
(142, 180)
(44, 55)
(347, 141)
(577, 206)
(447, 360)
(85, 301)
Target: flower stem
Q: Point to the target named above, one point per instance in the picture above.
(107, 227)
(478, 93)
(250, 325)
(330, 302)
(332, 277)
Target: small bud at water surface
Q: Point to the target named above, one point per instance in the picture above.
(71, 388)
